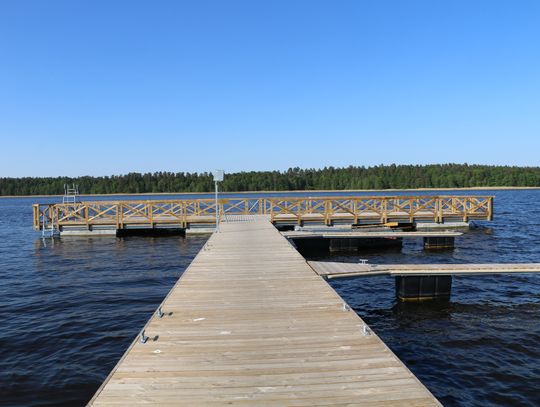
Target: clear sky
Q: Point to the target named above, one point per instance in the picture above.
(108, 87)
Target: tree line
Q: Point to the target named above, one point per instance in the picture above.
(328, 178)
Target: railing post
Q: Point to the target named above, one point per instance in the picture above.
(384, 210)
(120, 210)
(35, 213)
(328, 212)
(186, 213)
(490, 208)
(55, 218)
(221, 209)
(299, 212)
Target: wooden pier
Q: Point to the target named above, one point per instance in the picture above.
(250, 324)
(343, 270)
(380, 234)
(96, 216)
(337, 239)
(419, 282)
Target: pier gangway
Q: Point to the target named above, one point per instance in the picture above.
(250, 324)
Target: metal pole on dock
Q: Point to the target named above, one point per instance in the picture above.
(218, 177)
(217, 208)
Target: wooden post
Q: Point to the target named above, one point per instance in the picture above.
(183, 205)
(441, 211)
(327, 212)
(490, 208)
(120, 210)
(384, 210)
(35, 211)
(54, 211)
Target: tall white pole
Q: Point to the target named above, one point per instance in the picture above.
(218, 176)
(217, 208)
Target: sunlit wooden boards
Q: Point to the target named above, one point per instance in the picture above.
(250, 324)
(338, 269)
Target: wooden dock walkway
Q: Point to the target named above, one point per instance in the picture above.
(250, 323)
(382, 234)
(343, 270)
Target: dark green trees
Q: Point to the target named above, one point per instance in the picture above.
(328, 178)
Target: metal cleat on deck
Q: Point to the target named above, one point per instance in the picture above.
(365, 330)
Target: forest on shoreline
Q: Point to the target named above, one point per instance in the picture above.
(294, 179)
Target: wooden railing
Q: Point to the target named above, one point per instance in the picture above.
(183, 212)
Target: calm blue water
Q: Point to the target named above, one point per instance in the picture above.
(69, 308)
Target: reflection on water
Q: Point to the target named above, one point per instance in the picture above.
(70, 307)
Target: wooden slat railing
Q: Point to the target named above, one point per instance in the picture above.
(182, 212)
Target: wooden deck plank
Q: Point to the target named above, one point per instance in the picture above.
(359, 234)
(343, 270)
(250, 323)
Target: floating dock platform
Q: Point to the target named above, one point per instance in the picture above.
(344, 270)
(355, 240)
(117, 217)
(417, 282)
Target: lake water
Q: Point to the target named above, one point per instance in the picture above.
(70, 307)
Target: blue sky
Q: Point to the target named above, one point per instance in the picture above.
(108, 87)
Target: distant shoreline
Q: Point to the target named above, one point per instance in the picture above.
(283, 192)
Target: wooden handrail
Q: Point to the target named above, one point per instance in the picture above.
(325, 209)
